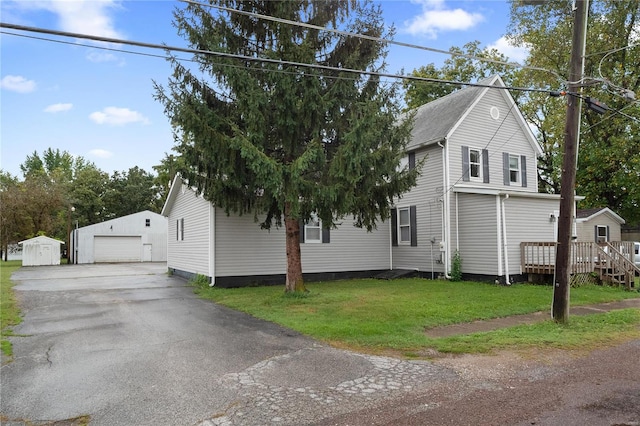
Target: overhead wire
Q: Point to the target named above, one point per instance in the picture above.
(373, 38)
(257, 59)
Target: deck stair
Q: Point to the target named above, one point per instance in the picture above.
(614, 265)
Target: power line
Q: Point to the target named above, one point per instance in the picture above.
(372, 38)
(165, 57)
(257, 59)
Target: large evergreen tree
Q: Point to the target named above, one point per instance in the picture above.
(285, 142)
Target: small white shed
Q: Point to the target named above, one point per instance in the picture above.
(40, 251)
(138, 237)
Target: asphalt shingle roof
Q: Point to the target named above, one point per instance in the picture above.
(434, 120)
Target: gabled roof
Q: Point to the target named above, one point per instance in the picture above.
(176, 186)
(117, 219)
(588, 214)
(435, 121)
(41, 239)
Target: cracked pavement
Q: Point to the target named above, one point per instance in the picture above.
(127, 344)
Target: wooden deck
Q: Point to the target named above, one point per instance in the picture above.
(612, 261)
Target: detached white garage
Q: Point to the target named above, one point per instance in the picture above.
(138, 237)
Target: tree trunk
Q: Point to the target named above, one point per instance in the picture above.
(294, 282)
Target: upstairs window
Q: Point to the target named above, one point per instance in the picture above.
(147, 223)
(475, 165)
(514, 169)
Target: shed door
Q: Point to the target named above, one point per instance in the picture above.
(45, 255)
(117, 249)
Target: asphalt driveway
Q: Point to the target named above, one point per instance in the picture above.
(126, 344)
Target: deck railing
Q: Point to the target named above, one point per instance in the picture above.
(540, 257)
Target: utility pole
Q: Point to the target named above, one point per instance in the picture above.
(560, 311)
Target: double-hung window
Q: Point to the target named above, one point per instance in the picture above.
(514, 169)
(313, 230)
(475, 164)
(404, 226)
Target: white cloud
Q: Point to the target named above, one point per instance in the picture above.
(100, 153)
(95, 56)
(17, 83)
(118, 116)
(436, 18)
(80, 16)
(58, 108)
(515, 54)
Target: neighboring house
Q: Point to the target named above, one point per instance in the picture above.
(478, 192)
(40, 251)
(138, 237)
(601, 225)
(233, 250)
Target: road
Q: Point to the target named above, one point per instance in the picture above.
(128, 345)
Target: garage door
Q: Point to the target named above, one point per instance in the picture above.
(117, 249)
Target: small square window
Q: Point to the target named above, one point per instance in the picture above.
(147, 222)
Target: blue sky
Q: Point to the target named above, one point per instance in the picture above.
(99, 104)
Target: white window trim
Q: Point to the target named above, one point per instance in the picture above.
(598, 236)
(478, 178)
(400, 226)
(308, 226)
(518, 171)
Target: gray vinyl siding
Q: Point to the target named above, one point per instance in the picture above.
(191, 254)
(528, 221)
(243, 249)
(130, 225)
(585, 229)
(426, 196)
(479, 130)
(477, 233)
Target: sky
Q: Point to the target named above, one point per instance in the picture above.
(100, 104)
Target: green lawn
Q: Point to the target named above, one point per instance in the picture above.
(9, 312)
(379, 315)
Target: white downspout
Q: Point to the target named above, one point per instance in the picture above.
(390, 245)
(499, 233)
(504, 236)
(445, 208)
(457, 225)
(212, 246)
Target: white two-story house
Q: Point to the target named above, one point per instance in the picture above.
(477, 194)
(478, 191)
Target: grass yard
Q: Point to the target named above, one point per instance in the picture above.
(9, 312)
(379, 316)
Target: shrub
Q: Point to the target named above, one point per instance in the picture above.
(456, 267)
